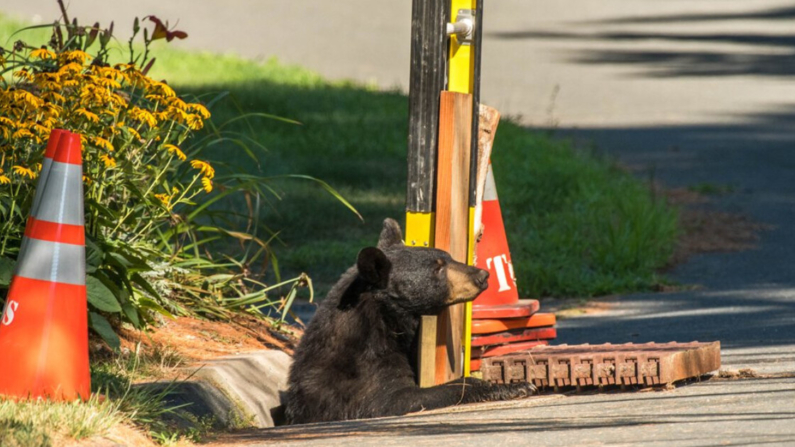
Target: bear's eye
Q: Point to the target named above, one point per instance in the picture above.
(440, 264)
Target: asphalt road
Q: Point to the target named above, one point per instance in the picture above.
(749, 412)
(691, 92)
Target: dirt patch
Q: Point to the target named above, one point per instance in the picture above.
(192, 339)
(707, 231)
(121, 434)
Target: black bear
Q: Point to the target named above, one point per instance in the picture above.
(357, 358)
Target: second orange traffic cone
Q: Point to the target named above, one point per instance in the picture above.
(44, 328)
(492, 251)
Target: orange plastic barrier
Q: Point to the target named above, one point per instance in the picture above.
(492, 326)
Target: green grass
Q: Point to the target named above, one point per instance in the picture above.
(577, 225)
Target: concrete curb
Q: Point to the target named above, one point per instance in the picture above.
(237, 391)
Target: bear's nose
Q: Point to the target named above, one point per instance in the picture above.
(482, 279)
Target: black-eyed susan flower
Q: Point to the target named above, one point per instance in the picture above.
(200, 110)
(194, 122)
(176, 151)
(91, 116)
(203, 167)
(207, 185)
(143, 116)
(103, 143)
(109, 161)
(42, 53)
(23, 171)
(76, 56)
(165, 199)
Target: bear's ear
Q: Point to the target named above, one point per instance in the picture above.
(374, 267)
(390, 235)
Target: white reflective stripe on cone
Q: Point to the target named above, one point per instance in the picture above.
(45, 172)
(490, 193)
(62, 201)
(46, 165)
(53, 261)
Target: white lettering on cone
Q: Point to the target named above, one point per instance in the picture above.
(8, 315)
(499, 268)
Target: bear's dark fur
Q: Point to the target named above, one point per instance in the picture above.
(357, 358)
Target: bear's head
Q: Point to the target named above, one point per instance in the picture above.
(419, 280)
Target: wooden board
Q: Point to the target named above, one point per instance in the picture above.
(452, 220)
(427, 356)
(489, 120)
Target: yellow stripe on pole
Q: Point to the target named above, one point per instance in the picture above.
(468, 308)
(419, 229)
(461, 79)
(462, 61)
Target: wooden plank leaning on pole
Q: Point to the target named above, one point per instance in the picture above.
(442, 164)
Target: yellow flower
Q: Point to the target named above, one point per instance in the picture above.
(48, 81)
(103, 143)
(42, 53)
(177, 114)
(5, 132)
(88, 115)
(203, 167)
(4, 180)
(23, 73)
(194, 122)
(77, 56)
(133, 132)
(39, 129)
(6, 121)
(165, 199)
(22, 133)
(53, 96)
(156, 98)
(178, 103)
(71, 67)
(143, 115)
(109, 161)
(86, 179)
(28, 98)
(207, 184)
(106, 82)
(200, 110)
(175, 150)
(163, 89)
(23, 171)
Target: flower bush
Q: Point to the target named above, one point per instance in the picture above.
(150, 196)
(132, 128)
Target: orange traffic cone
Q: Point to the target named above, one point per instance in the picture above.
(492, 251)
(44, 329)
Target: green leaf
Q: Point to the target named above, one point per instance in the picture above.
(143, 283)
(6, 271)
(102, 327)
(149, 304)
(100, 296)
(132, 314)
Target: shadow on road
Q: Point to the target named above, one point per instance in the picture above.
(778, 61)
